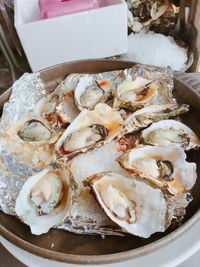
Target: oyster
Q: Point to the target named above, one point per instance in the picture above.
(126, 202)
(30, 142)
(51, 109)
(145, 116)
(168, 132)
(163, 166)
(33, 130)
(89, 92)
(90, 129)
(149, 13)
(138, 93)
(44, 199)
(86, 216)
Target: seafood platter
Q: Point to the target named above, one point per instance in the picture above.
(110, 155)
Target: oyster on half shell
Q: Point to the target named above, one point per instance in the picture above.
(169, 132)
(32, 129)
(164, 166)
(144, 117)
(126, 202)
(90, 129)
(138, 93)
(89, 92)
(44, 199)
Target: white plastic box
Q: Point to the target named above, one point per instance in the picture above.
(96, 33)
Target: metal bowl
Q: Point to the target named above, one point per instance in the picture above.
(84, 249)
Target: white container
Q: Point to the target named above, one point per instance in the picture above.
(96, 33)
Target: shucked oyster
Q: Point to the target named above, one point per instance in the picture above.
(44, 199)
(169, 132)
(145, 116)
(31, 142)
(90, 129)
(89, 92)
(138, 93)
(164, 166)
(126, 202)
(33, 130)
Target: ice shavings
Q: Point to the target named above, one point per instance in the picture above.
(156, 49)
(96, 161)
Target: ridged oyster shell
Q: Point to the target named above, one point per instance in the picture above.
(144, 117)
(90, 129)
(126, 202)
(44, 200)
(164, 166)
(58, 108)
(169, 132)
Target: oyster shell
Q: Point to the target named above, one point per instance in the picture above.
(30, 143)
(90, 129)
(144, 117)
(164, 166)
(86, 216)
(126, 202)
(140, 92)
(44, 199)
(51, 108)
(89, 92)
(169, 132)
(149, 13)
(32, 129)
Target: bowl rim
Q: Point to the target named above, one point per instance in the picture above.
(104, 258)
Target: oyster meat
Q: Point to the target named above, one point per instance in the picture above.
(126, 202)
(44, 199)
(86, 216)
(32, 129)
(144, 117)
(30, 142)
(89, 92)
(90, 129)
(164, 166)
(140, 92)
(169, 132)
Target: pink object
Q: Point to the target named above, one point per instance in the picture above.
(54, 8)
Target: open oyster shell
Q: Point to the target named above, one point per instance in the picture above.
(144, 117)
(90, 129)
(164, 166)
(89, 92)
(126, 202)
(30, 143)
(32, 129)
(85, 216)
(44, 200)
(169, 132)
(58, 108)
(140, 92)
